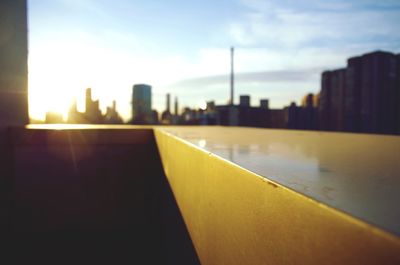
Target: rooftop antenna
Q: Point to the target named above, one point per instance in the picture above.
(232, 77)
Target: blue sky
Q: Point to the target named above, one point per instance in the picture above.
(182, 47)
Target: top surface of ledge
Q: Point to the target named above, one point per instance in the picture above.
(355, 173)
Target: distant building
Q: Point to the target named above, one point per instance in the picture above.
(332, 100)
(166, 116)
(176, 107)
(378, 95)
(227, 115)
(243, 114)
(336, 111)
(324, 107)
(244, 101)
(154, 117)
(211, 113)
(74, 116)
(192, 117)
(175, 117)
(364, 97)
(304, 117)
(252, 116)
(92, 111)
(398, 95)
(277, 118)
(112, 116)
(141, 104)
(293, 116)
(264, 103)
(352, 95)
(92, 114)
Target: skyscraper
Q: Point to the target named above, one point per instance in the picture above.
(378, 95)
(338, 87)
(166, 116)
(352, 95)
(141, 104)
(92, 112)
(398, 94)
(176, 106)
(168, 103)
(325, 101)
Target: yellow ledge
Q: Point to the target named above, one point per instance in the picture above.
(235, 216)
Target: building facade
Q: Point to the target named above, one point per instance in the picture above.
(352, 95)
(378, 94)
(141, 104)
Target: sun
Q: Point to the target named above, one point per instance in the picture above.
(54, 80)
(45, 96)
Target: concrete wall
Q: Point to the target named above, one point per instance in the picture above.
(13, 63)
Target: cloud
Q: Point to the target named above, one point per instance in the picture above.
(279, 86)
(88, 6)
(297, 24)
(252, 77)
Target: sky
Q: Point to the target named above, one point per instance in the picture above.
(182, 47)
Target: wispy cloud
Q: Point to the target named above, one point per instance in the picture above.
(89, 6)
(252, 77)
(264, 84)
(295, 24)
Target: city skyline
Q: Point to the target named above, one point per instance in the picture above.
(282, 47)
(362, 97)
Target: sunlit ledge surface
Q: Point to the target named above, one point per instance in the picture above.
(355, 173)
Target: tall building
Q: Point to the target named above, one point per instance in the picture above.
(378, 95)
(331, 103)
(175, 116)
(92, 110)
(325, 101)
(166, 115)
(13, 63)
(363, 97)
(176, 110)
(168, 103)
(338, 87)
(352, 95)
(141, 104)
(398, 94)
(293, 113)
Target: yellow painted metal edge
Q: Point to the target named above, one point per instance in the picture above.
(237, 217)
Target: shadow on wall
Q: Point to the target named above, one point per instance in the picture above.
(89, 196)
